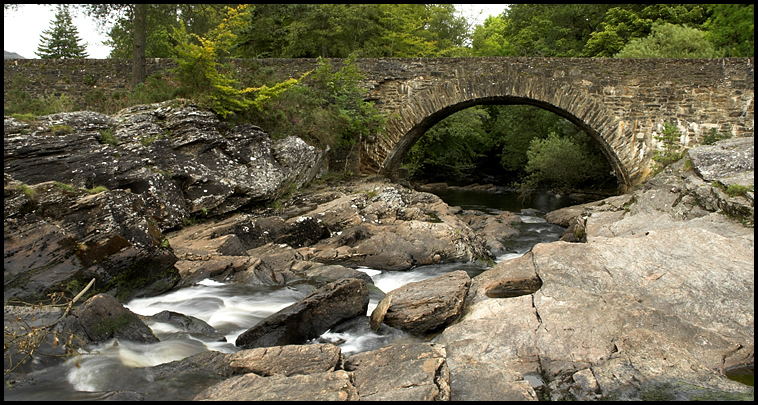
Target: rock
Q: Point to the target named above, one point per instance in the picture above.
(494, 229)
(287, 360)
(336, 272)
(576, 231)
(404, 372)
(102, 318)
(309, 317)
(427, 306)
(189, 324)
(510, 278)
(724, 159)
(58, 239)
(171, 154)
(474, 381)
(331, 386)
(183, 379)
(399, 229)
(628, 308)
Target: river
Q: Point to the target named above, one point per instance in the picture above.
(233, 308)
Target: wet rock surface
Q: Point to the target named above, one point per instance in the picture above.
(310, 317)
(426, 306)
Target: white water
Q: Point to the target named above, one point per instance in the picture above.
(231, 309)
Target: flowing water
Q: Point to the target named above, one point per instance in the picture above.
(233, 308)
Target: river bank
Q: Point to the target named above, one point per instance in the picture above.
(653, 295)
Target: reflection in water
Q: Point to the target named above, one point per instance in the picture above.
(233, 308)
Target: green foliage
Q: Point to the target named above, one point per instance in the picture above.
(60, 129)
(713, 136)
(106, 137)
(551, 30)
(489, 39)
(18, 101)
(61, 41)
(731, 28)
(735, 190)
(96, 190)
(28, 191)
(672, 149)
(326, 108)
(64, 187)
(670, 41)
(558, 162)
(452, 148)
(202, 74)
(340, 30)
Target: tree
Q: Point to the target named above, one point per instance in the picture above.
(561, 163)
(731, 28)
(670, 41)
(489, 38)
(552, 30)
(452, 148)
(61, 41)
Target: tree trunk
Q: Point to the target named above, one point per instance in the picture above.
(140, 43)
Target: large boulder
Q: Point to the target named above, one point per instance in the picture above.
(402, 372)
(58, 238)
(399, 229)
(426, 306)
(287, 360)
(369, 223)
(310, 317)
(102, 318)
(328, 386)
(172, 154)
(630, 309)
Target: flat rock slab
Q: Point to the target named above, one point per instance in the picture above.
(331, 386)
(724, 158)
(426, 306)
(406, 372)
(287, 360)
(310, 317)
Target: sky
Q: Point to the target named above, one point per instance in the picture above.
(22, 28)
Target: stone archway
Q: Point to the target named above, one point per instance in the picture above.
(422, 109)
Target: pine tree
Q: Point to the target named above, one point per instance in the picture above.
(61, 41)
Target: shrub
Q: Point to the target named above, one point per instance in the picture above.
(557, 162)
(713, 136)
(672, 149)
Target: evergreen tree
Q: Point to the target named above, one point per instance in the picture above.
(61, 41)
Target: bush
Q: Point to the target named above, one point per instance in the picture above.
(672, 149)
(558, 162)
(670, 41)
(714, 136)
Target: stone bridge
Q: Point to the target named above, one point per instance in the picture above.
(621, 103)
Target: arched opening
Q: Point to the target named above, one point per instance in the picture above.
(495, 150)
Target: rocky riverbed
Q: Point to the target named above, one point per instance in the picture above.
(649, 295)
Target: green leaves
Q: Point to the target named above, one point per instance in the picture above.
(670, 41)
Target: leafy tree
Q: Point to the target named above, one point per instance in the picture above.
(162, 19)
(670, 41)
(551, 30)
(452, 148)
(560, 163)
(489, 38)
(620, 26)
(730, 27)
(61, 41)
(201, 72)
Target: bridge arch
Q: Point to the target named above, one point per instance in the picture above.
(423, 109)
